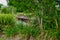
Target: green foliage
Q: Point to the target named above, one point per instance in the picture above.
(35, 31)
(1, 39)
(43, 10)
(5, 20)
(8, 31)
(0, 6)
(28, 30)
(9, 9)
(11, 31)
(23, 5)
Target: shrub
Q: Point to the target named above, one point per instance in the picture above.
(5, 20)
(11, 31)
(9, 9)
(28, 30)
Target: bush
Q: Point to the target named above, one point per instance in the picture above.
(11, 31)
(28, 30)
(15, 29)
(9, 9)
(5, 20)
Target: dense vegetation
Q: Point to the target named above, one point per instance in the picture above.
(43, 24)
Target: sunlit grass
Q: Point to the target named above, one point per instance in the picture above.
(1, 39)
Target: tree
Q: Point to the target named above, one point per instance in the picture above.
(9, 9)
(0, 7)
(23, 5)
(44, 11)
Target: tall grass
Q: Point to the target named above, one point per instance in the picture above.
(6, 20)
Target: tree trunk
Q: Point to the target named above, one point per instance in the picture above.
(28, 37)
(59, 38)
(41, 22)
